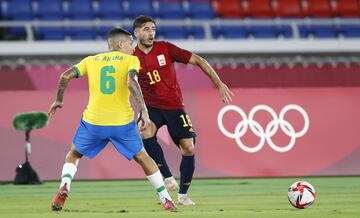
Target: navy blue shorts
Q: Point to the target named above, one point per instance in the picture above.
(177, 121)
(90, 139)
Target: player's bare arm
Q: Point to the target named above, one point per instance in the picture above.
(135, 90)
(63, 83)
(225, 93)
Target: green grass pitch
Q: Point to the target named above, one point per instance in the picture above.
(225, 198)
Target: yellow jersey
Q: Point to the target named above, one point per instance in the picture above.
(109, 96)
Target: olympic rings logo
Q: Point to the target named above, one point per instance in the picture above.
(270, 130)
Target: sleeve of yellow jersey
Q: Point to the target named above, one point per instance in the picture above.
(80, 68)
(134, 65)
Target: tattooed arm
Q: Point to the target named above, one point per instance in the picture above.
(135, 90)
(63, 82)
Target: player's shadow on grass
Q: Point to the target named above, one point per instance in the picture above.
(95, 211)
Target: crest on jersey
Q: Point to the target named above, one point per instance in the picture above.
(161, 60)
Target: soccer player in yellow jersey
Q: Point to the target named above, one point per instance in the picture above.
(109, 116)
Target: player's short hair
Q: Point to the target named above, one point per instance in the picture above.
(140, 20)
(118, 31)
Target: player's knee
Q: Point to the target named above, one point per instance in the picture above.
(73, 153)
(73, 156)
(187, 149)
(140, 157)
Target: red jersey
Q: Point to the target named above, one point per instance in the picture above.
(158, 76)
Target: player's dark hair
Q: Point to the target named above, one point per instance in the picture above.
(118, 31)
(141, 20)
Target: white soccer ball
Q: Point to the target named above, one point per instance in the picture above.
(301, 194)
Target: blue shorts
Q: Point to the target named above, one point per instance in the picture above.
(90, 139)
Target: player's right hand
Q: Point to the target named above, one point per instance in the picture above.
(53, 108)
(145, 120)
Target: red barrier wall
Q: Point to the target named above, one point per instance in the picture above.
(330, 140)
(296, 76)
(330, 145)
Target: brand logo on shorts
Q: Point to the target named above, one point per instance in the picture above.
(265, 134)
(161, 60)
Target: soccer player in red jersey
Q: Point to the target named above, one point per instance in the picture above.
(164, 101)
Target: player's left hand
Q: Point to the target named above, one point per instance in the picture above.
(225, 93)
(53, 108)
